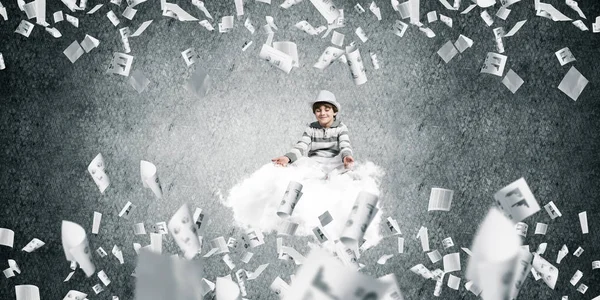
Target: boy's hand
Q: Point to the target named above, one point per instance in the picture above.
(282, 160)
(348, 162)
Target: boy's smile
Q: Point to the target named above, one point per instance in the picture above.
(324, 115)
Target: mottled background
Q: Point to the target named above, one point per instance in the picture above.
(429, 124)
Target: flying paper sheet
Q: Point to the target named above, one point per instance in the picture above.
(434, 256)
(160, 277)
(393, 291)
(420, 269)
(495, 249)
(7, 237)
(120, 64)
(277, 58)
(73, 52)
(139, 81)
(516, 199)
(183, 229)
(89, 43)
(424, 236)
(564, 56)
(328, 57)
(462, 43)
(355, 62)
(451, 262)
(141, 29)
(512, 81)
(76, 246)
(327, 9)
(96, 167)
(547, 270)
(453, 282)
(362, 214)
(441, 199)
(552, 210)
(578, 252)
(27, 292)
(540, 228)
(521, 270)
(150, 179)
(447, 243)
(290, 199)
(323, 277)
(126, 210)
(521, 228)
(287, 228)
(573, 84)
(562, 253)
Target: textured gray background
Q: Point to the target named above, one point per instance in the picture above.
(427, 123)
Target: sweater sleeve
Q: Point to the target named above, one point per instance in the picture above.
(344, 142)
(302, 146)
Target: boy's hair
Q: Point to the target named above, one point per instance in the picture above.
(318, 104)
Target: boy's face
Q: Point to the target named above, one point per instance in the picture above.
(324, 115)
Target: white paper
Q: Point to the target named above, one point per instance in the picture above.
(453, 282)
(25, 28)
(462, 43)
(432, 16)
(578, 252)
(183, 230)
(555, 14)
(447, 243)
(290, 49)
(541, 228)
(328, 57)
(320, 278)
(113, 18)
(495, 253)
(468, 9)
(512, 81)
(516, 199)
(393, 291)
(503, 12)
(327, 9)
(424, 236)
(576, 277)
(467, 251)
(27, 292)
(289, 3)
(552, 210)
(247, 256)
(434, 256)
(337, 39)
(582, 288)
(452, 262)
(120, 64)
(572, 85)
(89, 43)
(441, 199)
(515, 28)
(562, 253)
(116, 251)
(253, 238)
(100, 251)
(359, 75)
(420, 269)
(279, 287)
(375, 10)
(189, 56)
(384, 258)
(564, 56)
(400, 245)
(277, 58)
(361, 217)
(141, 29)
(521, 228)
(150, 179)
(257, 272)
(547, 270)
(33, 245)
(76, 246)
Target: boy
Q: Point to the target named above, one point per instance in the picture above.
(325, 139)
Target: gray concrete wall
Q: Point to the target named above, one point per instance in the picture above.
(430, 124)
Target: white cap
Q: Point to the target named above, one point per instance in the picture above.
(326, 96)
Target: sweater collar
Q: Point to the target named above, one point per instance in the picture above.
(316, 124)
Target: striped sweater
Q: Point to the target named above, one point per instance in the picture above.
(325, 142)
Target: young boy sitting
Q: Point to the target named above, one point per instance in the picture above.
(325, 140)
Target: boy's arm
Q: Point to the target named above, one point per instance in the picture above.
(344, 141)
(301, 147)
